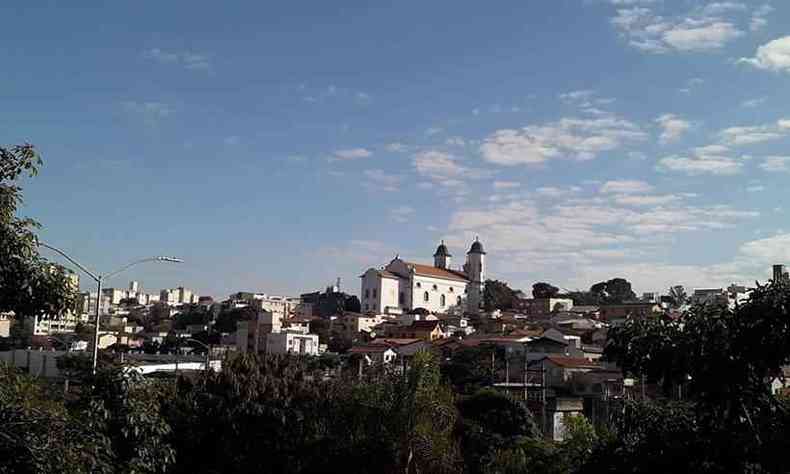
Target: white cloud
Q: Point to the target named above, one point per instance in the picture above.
(149, 112)
(674, 127)
(776, 164)
(755, 188)
(751, 103)
(738, 136)
(772, 56)
(647, 200)
(396, 147)
(433, 131)
(702, 29)
(555, 192)
(455, 141)
(711, 159)
(185, 59)
(774, 249)
(506, 184)
(402, 214)
(350, 154)
(380, 180)
(759, 17)
(444, 169)
(573, 138)
(626, 187)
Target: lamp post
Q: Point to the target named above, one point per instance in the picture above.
(99, 279)
(208, 352)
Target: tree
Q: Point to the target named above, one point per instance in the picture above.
(29, 284)
(677, 295)
(614, 291)
(721, 360)
(544, 290)
(491, 421)
(40, 435)
(497, 295)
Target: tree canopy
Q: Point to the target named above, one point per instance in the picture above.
(30, 285)
(544, 290)
(497, 295)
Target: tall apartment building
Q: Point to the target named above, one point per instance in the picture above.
(780, 273)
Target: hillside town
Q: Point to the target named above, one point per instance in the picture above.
(545, 346)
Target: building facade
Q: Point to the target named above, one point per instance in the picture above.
(402, 286)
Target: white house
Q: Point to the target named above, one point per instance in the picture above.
(289, 342)
(402, 286)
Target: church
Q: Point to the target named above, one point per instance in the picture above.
(402, 286)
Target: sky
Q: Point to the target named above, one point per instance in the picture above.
(276, 146)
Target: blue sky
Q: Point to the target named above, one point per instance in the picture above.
(276, 146)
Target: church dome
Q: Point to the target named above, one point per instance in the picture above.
(441, 251)
(477, 247)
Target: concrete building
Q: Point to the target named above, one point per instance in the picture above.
(292, 342)
(780, 273)
(401, 286)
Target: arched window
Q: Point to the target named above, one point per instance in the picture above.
(367, 294)
(426, 297)
(459, 300)
(401, 298)
(374, 292)
(480, 269)
(442, 301)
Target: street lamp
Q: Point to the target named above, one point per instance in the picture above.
(208, 352)
(98, 279)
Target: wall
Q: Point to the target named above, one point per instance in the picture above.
(423, 284)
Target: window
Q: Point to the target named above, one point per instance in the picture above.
(401, 298)
(374, 293)
(435, 287)
(367, 294)
(366, 307)
(451, 289)
(426, 297)
(442, 301)
(459, 300)
(419, 285)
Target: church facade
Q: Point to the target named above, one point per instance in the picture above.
(402, 286)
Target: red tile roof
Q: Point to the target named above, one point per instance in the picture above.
(572, 362)
(428, 270)
(369, 348)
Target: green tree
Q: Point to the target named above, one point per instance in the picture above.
(29, 284)
(544, 290)
(38, 434)
(497, 295)
(722, 361)
(127, 409)
(614, 291)
(491, 421)
(677, 295)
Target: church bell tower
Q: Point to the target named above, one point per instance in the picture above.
(475, 271)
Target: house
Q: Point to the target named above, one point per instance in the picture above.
(618, 312)
(539, 306)
(560, 370)
(292, 342)
(374, 354)
(424, 330)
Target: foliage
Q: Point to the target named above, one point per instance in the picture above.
(470, 368)
(722, 360)
(544, 290)
(29, 284)
(579, 441)
(127, 409)
(491, 421)
(677, 296)
(497, 295)
(37, 433)
(227, 319)
(614, 291)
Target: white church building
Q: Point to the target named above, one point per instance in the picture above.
(402, 286)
